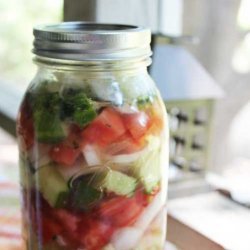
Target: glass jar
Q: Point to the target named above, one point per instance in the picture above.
(93, 142)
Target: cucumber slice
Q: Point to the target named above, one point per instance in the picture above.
(116, 182)
(87, 190)
(147, 168)
(52, 185)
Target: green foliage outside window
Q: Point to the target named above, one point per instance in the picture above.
(17, 18)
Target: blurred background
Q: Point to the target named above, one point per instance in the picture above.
(201, 64)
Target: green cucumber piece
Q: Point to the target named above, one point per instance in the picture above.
(148, 168)
(116, 182)
(52, 185)
(87, 190)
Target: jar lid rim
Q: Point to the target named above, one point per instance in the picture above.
(97, 41)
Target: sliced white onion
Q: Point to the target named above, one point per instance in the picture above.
(61, 241)
(153, 143)
(91, 155)
(155, 235)
(152, 239)
(160, 218)
(108, 247)
(126, 238)
(127, 109)
(151, 211)
(127, 158)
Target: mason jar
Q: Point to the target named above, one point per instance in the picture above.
(93, 140)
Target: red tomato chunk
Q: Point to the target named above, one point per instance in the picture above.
(94, 234)
(106, 128)
(64, 154)
(121, 211)
(25, 127)
(137, 124)
(49, 229)
(124, 144)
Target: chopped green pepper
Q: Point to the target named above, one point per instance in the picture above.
(84, 196)
(144, 101)
(46, 114)
(78, 107)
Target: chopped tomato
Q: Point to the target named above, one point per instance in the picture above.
(124, 144)
(122, 211)
(95, 234)
(73, 138)
(25, 127)
(106, 128)
(137, 124)
(156, 126)
(156, 115)
(63, 219)
(50, 229)
(66, 219)
(69, 224)
(64, 154)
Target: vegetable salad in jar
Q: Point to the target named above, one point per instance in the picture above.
(93, 153)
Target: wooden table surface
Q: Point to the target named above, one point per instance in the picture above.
(10, 215)
(208, 221)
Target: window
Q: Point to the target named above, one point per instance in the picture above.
(17, 19)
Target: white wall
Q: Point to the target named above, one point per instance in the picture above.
(140, 12)
(171, 12)
(160, 15)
